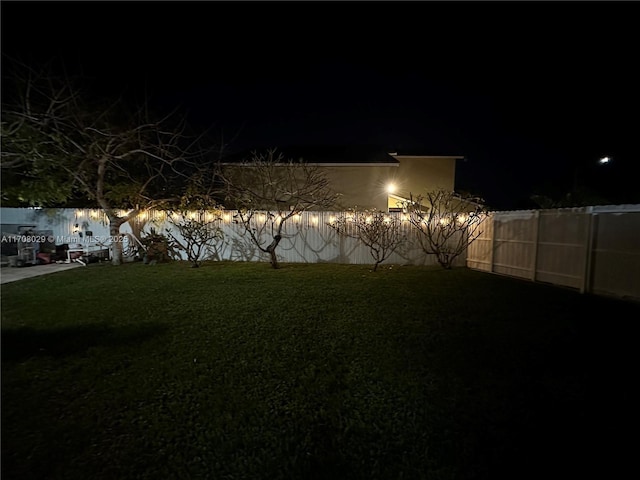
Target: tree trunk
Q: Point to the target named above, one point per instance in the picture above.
(445, 261)
(116, 244)
(271, 249)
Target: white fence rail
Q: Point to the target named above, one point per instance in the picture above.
(592, 249)
(307, 238)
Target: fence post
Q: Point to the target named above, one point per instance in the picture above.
(585, 287)
(536, 229)
(493, 241)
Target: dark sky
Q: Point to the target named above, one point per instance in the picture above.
(530, 93)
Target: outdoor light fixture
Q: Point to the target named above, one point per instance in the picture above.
(391, 188)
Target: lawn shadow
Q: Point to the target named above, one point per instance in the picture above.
(23, 343)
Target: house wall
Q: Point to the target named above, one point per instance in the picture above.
(361, 186)
(419, 174)
(366, 186)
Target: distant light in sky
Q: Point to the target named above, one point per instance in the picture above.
(604, 160)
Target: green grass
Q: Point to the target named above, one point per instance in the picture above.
(238, 371)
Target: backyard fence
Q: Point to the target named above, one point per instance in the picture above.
(307, 237)
(592, 249)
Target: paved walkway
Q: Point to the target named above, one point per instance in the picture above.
(13, 274)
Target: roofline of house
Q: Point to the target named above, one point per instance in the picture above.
(398, 197)
(320, 164)
(355, 164)
(457, 157)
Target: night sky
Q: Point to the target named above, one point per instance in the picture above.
(532, 94)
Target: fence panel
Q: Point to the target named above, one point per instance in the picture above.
(67, 225)
(592, 249)
(514, 244)
(615, 260)
(562, 247)
(480, 252)
(307, 238)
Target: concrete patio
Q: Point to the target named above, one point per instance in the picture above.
(13, 274)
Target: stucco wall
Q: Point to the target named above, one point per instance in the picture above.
(418, 174)
(361, 186)
(365, 186)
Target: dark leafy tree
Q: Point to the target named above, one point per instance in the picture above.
(60, 145)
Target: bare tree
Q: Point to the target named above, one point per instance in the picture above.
(445, 223)
(268, 191)
(377, 230)
(70, 149)
(199, 231)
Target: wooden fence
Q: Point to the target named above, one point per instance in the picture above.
(592, 249)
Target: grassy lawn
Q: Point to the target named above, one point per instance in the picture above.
(238, 371)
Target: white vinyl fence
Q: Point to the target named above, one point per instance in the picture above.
(593, 249)
(306, 239)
